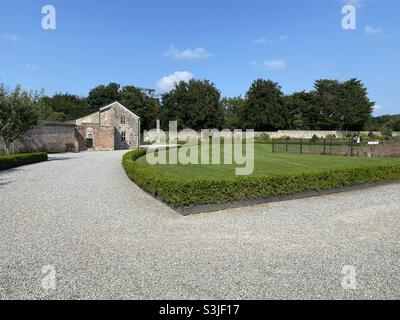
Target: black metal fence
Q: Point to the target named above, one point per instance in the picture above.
(336, 147)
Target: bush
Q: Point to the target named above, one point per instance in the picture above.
(264, 137)
(314, 139)
(331, 137)
(21, 159)
(387, 138)
(387, 132)
(178, 192)
(372, 135)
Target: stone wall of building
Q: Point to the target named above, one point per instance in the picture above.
(131, 129)
(112, 118)
(50, 137)
(92, 118)
(80, 136)
(104, 139)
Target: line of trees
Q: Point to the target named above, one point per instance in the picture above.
(197, 104)
(386, 124)
(332, 105)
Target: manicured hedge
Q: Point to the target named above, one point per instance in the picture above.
(21, 159)
(185, 193)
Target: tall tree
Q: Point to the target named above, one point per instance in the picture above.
(343, 105)
(356, 107)
(232, 109)
(328, 99)
(303, 109)
(195, 105)
(264, 109)
(65, 106)
(103, 95)
(142, 102)
(18, 113)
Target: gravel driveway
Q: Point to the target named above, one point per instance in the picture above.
(106, 238)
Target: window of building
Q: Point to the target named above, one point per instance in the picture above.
(123, 120)
(123, 136)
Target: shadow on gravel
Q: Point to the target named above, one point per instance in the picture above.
(60, 158)
(7, 171)
(3, 181)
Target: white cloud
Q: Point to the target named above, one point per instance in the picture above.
(372, 31)
(274, 65)
(9, 37)
(167, 83)
(188, 54)
(31, 67)
(6, 57)
(262, 41)
(284, 37)
(378, 109)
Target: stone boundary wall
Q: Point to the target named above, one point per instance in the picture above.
(54, 137)
(308, 134)
(51, 137)
(294, 134)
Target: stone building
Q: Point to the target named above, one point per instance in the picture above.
(113, 127)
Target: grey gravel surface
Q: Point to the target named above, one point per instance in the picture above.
(108, 239)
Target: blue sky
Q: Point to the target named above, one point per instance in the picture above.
(152, 43)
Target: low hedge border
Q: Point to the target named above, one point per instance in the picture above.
(180, 193)
(21, 159)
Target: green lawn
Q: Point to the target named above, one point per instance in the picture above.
(275, 174)
(267, 163)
